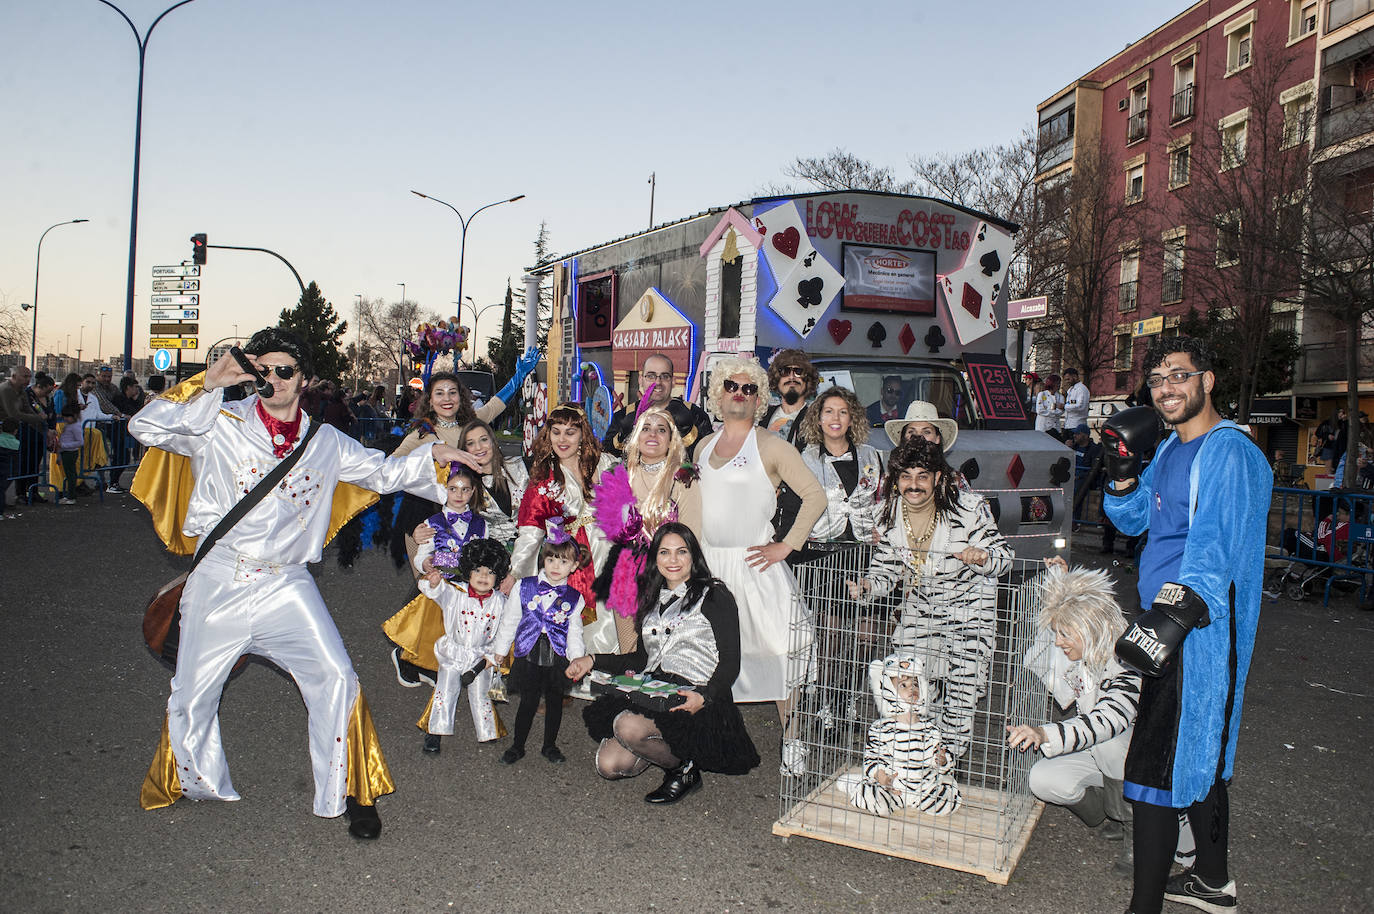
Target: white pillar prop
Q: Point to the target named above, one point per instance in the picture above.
(531, 309)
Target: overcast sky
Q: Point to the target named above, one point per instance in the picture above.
(302, 126)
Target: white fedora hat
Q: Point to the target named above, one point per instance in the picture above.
(921, 411)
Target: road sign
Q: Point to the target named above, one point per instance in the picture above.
(175, 314)
(1148, 327)
(184, 329)
(162, 360)
(185, 342)
(180, 269)
(176, 285)
(175, 299)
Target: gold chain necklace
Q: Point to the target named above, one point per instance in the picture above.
(917, 544)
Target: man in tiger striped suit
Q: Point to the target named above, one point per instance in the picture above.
(939, 557)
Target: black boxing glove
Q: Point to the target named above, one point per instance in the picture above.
(1149, 643)
(1126, 437)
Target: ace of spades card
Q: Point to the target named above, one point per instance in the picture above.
(806, 293)
(785, 242)
(971, 291)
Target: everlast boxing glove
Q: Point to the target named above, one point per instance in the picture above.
(1126, 437)
(1148, 645)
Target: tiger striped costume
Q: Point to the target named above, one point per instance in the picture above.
(902, 743)
(948, 614)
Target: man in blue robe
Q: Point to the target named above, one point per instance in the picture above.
(1204, 500)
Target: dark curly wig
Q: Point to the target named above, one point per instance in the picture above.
(484, 553)
(276, 339)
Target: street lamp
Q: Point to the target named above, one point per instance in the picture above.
(358, 346)
(38, 262)
(484, 310)
(100, 336)
(463, 236)
(401, 355)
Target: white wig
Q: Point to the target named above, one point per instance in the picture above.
(729, 367)
(1082, 600)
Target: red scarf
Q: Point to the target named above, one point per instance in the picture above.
(283, 434)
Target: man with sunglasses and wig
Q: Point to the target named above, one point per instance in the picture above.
(1204, 500)
(252, 592)
(793, 380)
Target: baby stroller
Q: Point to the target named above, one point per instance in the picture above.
(1298, 579)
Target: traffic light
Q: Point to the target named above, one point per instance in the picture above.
(198, 249)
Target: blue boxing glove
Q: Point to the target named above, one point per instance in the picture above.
(523, 366)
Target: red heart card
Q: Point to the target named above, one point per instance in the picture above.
(839, 329)
(787, 242)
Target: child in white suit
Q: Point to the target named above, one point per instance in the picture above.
(473, 609)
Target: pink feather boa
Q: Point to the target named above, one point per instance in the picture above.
(624, 596)
(616, 508)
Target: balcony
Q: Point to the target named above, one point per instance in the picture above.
(1326, 362)
(1340, 122)
(1127, 295)
(1138, 126)
(1172, 289)
(1182, 106)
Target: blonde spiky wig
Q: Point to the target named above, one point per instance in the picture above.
(1082, 600)
(729, 367)
(655, 504)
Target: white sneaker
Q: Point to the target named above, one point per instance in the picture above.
(794, 754)
(66, 501)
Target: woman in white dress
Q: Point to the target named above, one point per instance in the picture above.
(741, 467)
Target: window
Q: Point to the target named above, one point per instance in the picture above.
(1135, 180)
(1123, 359)
(1138, 124)
(1171, 289)
(1056, 129)
(1339, 12)
(1180, 161)
(1302, 18)
(731, 280)
(1299, 109)
(1228, 239)
(1358, 193)
(1127, 293)
(1239, 40)
(1233, 130)
(595, 309)
(1182, 106)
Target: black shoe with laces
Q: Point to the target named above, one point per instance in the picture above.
(432, 742)
(1189, 888)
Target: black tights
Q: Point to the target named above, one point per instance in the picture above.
(1156, 837)
(637, 744)
(537, 682)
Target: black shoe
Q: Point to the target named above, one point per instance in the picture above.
(553, 754)
(363, 821)
(407, 673)
(1188, 888)
(677, 783)
(512, 755)
(432, 742)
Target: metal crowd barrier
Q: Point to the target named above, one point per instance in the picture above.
(370, 431)
(1302, 511)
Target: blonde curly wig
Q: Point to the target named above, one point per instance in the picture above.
(729, 367)
(1082, 600)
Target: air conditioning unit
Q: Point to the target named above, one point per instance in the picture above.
(1121, 105)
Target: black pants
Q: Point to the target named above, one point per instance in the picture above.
(534, 682)
(1156, 837)
(68, 459)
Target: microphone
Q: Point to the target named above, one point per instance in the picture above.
(263, 385)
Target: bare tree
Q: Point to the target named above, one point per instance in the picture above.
(14, 332)
(837, 170)
(1338, 272)
(1082, 228)
(385, 326)
(1243, 214)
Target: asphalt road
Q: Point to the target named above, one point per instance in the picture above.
(83, 702)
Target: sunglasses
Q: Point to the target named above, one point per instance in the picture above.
(792, 369)
(285, 372)
(731, 386)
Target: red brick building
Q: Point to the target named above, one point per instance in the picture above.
(1182, 98)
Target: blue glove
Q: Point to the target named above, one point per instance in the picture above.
(523, 366)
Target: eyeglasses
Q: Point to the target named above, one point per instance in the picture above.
(1175, 378)
(652, 377)
(893, 391)
(285, 372)
(792, 369)
(748, 390)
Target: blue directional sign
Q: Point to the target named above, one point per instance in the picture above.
(162, 360)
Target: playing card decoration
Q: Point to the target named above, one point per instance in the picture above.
(877, 334)
(839, 329)
(907, 337)
(808, 283)
(935, 338)
(971, 291)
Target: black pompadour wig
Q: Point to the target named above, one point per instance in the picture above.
(276, 339)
